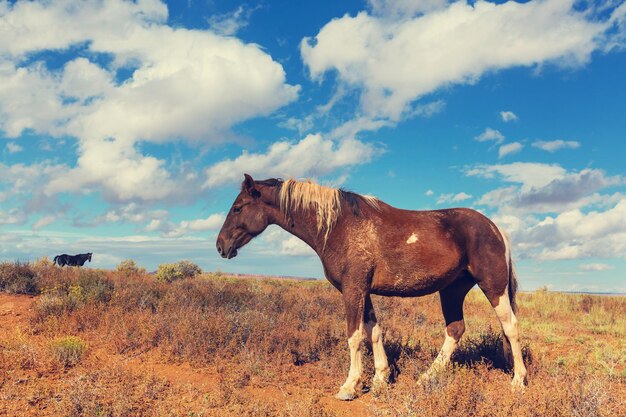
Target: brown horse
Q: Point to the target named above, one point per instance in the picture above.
(368, 247)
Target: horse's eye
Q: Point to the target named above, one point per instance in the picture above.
(236, 210)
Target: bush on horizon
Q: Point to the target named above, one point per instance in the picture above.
(18, 278)
(176, 271)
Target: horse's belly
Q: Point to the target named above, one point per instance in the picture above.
(408, 279)
(410, 286)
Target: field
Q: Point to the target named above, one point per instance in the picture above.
(84, 342)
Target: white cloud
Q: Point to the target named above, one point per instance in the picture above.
(452, 198)
(127, 213)
(405, 8)
(509, 148)
(544, 187)
(184, 84)
(409, 49)
(528, 174)
(13, 147)
(300, 125)
(555, 145)
(313, 156)
(428, 193)
(172, 230)
(44, 221)
(555, 214)
(279, 241)
(229, 24)
(596, 267)
(490, 135)
(508, 116)
(14, 216)
(576, 235)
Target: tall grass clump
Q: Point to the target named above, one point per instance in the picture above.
(65, 292)
(129, 268)
(18, 278)
(68, 350)
(179, 270)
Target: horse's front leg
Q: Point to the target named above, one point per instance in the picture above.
(354, 300)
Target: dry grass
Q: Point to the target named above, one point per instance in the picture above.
(217, 345)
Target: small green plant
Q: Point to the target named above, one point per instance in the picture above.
(18, 278)
(176, 271)
(128, 268)
(68, 350)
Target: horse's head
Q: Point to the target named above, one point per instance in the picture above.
(89, 256)
(253, 210)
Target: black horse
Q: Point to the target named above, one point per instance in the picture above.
(72, 260)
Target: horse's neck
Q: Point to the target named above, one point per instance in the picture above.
(302, 224)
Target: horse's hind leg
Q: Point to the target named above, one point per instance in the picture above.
(452, 298)
(502, 305)
(375, 335)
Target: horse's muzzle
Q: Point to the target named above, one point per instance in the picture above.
(229, 253)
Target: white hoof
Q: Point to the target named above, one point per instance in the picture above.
(346, 395)
(518, 384)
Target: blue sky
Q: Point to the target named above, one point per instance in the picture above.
(125, 127)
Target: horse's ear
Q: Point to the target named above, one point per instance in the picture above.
(250, 186)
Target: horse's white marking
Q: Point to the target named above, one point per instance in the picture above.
(443, 358)
(412, 239)
(380, 357)
(510, 328)
(507, 246)
(349, 388)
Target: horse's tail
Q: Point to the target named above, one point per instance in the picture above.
(512, 285)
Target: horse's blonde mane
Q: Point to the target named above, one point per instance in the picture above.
(325, 201)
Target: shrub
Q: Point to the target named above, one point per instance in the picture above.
(128, 268)
(176, 271)
(168, 273)
(95, 286)
(18, 278)
(43, 262)
(68, 350)
(72, 289)
(188, 269)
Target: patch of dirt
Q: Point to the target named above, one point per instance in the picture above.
(307, 383)
(14, 310)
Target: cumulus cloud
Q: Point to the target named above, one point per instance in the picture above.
(173, 230)
(452, 198)
(555, 145)
(279, 241)
(553, 214)
(230, 23)
(574, 234)
(183, 84)
(509, 148)
(543, 187)
(405, 8)
(389, 54)
(490, 135)
(133, 213)
(13, 147)
(44, 221)
(596, 267)
(508, 116)
(313, 156)
(13, 216)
